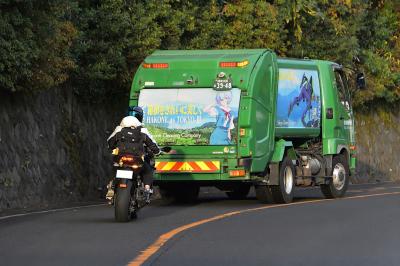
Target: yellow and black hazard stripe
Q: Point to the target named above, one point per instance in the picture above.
(189, 166)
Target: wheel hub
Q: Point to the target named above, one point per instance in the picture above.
(339, 176)
(288, 180)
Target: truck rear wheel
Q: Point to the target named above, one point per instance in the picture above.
(166, 193)
(239, 192)
(282, 193)
(186, 194)
(179, 192)
(337, 187)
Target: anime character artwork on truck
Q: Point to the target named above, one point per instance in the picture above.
(299, 101)
(221, 135)
(305, 95)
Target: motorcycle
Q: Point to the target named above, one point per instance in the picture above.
(129, 191)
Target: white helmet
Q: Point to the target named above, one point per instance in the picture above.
(130, 121)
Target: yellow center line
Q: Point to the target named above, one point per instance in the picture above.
(156, 246)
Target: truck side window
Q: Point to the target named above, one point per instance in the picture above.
(342, 89)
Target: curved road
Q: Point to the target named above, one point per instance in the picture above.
(361, 229)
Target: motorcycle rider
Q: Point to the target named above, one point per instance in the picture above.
(134, 120)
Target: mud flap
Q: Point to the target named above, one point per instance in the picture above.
(328, 168)
(273, 174)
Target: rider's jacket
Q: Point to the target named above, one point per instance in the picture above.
(131, 121)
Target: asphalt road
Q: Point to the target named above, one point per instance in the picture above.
(361, 229)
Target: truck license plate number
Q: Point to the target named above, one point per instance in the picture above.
(222, 84)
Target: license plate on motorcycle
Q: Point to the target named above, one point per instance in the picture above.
(126, 174)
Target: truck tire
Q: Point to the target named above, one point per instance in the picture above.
(239, 192)
(337, 187)
(166, 193)
(182, 193)
(122, 203)
(283, 193)
(186, 193)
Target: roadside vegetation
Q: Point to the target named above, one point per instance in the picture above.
(94, 47)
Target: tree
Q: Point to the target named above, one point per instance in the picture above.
(35, 45)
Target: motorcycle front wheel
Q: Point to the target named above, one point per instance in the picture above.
(122, 202)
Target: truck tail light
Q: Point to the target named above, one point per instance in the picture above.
(228, 64)
(352, 147)
(234, 64)
(240, 172)
(155, 65)
(242, 132)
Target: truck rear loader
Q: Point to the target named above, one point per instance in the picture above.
(242, 118)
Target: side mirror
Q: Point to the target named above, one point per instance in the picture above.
(360, 81)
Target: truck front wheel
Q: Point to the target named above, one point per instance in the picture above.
(337, 187)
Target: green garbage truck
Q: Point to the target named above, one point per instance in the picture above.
(242, 118)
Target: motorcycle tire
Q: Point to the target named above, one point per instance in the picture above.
(122, 203)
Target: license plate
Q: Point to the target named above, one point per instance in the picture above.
(126, 174)
(222, 84)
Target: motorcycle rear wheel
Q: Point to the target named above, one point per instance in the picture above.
(122, 203)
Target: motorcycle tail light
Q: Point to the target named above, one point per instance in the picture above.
(126, 159)
(131, 161)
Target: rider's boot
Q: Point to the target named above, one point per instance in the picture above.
(147, 193)
(110, 192)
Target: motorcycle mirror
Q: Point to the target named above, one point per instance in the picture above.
(166, 149)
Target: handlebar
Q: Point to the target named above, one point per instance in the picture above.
(167, 150)
(163, 150)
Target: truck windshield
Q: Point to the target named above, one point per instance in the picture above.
(191, 116)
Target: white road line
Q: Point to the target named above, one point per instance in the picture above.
(52, 210)
(376, 183)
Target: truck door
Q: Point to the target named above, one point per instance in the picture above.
(345, 112)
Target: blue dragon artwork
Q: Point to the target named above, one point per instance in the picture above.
(306, 93)
(299, 101)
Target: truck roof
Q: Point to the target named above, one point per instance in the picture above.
(206, 54)
(201, 67)
(171, 56)
(303, 62)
